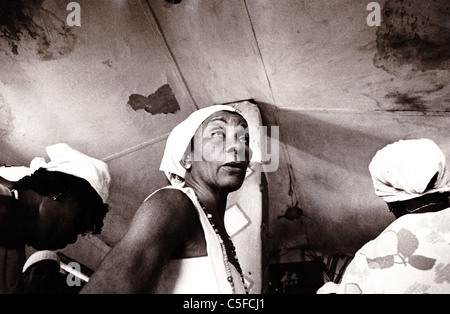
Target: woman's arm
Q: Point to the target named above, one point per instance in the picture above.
(159, 226)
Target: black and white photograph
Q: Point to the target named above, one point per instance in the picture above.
(242, 148)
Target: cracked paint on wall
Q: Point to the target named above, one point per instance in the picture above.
(25, 25)
(161, 101)
(414, 36)
(6, 119)
(413, 45)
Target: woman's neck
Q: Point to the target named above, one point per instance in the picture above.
(214, 200)
(426, 203)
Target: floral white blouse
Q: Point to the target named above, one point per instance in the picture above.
(411, 256)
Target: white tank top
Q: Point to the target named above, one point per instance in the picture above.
(201, 275)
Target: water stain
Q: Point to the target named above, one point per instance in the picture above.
(408, 102)
(108, 62)
(6, 119)
(414, 36)
(161, 101)
(23, 20)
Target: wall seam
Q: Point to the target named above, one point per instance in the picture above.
(277, 122)
(172, 55)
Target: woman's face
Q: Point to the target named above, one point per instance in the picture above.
(57, 223)
(221, 152)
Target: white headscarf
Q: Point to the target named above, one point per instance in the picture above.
(65, 159)
(39, 256)
(179, 139)
(403, 170)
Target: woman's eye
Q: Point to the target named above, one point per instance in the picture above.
(219, 133)
(243, 138)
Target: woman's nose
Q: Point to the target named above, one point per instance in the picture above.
(238, 149)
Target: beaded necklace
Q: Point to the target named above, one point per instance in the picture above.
(225, 254)
(424, 206)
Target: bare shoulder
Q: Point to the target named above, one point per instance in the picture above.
(169, 201)
(169, 195)
(166, 212)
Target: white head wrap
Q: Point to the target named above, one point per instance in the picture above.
(181, 136)
(403, 170)
(68, 160)
(38, 256)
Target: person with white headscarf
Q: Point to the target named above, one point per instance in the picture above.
(412, 255)
(47, 205)
(177, 241)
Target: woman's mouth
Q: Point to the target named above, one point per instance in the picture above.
(235, 165)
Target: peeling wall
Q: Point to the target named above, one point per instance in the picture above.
(28, 27)
(161, 101)
(413, 44)
(414, 36)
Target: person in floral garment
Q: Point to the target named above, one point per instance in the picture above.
(412, 255)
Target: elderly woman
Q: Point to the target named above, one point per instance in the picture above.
(177, 241)
(47, 205)
(412, 255)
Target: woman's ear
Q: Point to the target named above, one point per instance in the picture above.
(186, 161)
(186, 164)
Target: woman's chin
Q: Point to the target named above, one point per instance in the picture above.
(232, 184)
